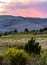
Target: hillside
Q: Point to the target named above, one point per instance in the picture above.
(9, 23)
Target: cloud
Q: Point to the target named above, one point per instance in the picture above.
(26, 8)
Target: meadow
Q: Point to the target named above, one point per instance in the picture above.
(15, 40)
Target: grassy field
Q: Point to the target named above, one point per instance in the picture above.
(17, 39)
(11, 40)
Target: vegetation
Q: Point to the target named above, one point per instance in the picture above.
(26, 30)
(30, 49)
(15, 31)
(33, 47)
(17, 57)
(1, 59)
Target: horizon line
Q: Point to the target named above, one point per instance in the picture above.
(25, 16)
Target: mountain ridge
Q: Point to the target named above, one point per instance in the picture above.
(9, 23)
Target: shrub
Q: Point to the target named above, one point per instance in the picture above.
(6, 33)
(15, 31)
(32, 47)
(1, 59)
(26, 30)
(0, 34)
(17, 57)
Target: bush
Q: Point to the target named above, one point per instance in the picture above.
(0, 34)
(32, 47)
(17, 57)
(15, 31)
(26, 30)
(1, 59)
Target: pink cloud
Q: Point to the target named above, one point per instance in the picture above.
(31, 12)
(25, 9)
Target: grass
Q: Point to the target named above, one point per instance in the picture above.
(20, 38)
(17, 39)
(11, 40)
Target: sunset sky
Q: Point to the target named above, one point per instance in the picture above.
(26, 8)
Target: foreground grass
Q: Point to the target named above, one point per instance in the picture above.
(14, 40)
(11, 40)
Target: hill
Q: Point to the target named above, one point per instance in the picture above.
(10, 23)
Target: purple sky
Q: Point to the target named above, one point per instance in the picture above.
(26, 8)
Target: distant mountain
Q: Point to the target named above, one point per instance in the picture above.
(9, 23)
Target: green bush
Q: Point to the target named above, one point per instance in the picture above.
(1, 59)
(17, 57)
(32, 47)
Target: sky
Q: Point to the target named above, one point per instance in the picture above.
(25, 8)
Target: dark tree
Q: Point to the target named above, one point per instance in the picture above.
(26, 30)
(45, 28)
(6, 33)
(32, 47)
(0, 34)
(15, 31)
